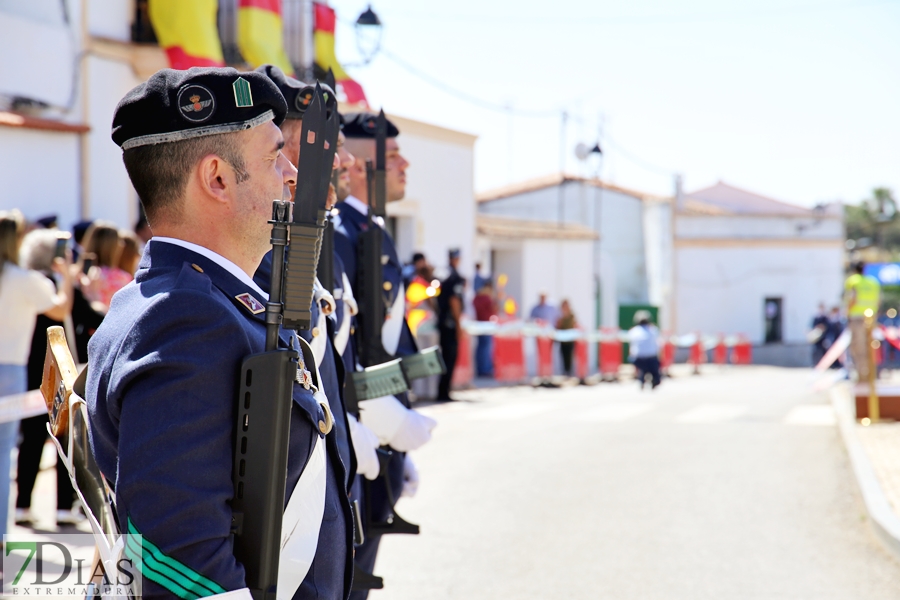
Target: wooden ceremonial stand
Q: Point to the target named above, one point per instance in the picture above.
(871, 405)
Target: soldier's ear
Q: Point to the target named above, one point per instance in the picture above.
(215, 178)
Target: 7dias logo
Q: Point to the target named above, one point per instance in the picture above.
(69, 565)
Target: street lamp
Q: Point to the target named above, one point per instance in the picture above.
(368, 35)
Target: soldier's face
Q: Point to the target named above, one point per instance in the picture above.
(346, 161)
(395, 167)
(271, 176)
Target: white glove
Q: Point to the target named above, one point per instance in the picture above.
(395, 425)
(410, 478)
(415, 431)
(365, 444)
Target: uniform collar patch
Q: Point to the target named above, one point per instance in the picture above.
(250, 303)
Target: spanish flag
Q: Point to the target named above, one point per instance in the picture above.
(323, 38)
(261, 34)
(188, 32)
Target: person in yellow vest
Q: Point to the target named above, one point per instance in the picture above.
(861, 293)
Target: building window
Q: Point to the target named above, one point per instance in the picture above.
(141, 29)
(773, 312)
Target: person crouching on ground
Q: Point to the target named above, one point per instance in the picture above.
(643, 349)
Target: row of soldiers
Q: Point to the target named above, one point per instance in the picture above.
(168, 387)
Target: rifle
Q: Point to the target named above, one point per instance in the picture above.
(383, 375)
(267, 378)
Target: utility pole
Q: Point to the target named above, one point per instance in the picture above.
(562, 167)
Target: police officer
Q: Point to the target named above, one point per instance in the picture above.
(390, 417)
(203, 150)
(450, 307)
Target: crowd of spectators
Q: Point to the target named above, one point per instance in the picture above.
(51, 277)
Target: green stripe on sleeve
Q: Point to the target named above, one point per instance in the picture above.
(167, 571)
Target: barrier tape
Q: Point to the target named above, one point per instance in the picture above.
(532, 329)
(22, 406)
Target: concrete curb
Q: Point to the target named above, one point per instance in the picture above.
(884, 520)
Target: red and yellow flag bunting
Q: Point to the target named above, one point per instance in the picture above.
(188, 32)
(261, 34)
(323, 38)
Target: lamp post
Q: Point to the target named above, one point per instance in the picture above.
(369, 30)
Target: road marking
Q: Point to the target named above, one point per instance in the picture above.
(615, 412)
(811, 414)
(511, 412)
(711, 413)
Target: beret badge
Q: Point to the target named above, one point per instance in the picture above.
(304, 97)
(196, 103)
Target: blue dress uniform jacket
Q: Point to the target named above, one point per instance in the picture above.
(332, 379)
(349, 223)
(161, 396)
(342, 311)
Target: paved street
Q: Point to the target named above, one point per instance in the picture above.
(733, 484)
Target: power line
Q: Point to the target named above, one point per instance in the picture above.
(664, 19)
(475, 100)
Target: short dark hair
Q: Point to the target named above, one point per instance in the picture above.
(858, 267)
(418, 256)
(159, 172)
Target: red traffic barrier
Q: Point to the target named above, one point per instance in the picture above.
(697, 354)
(720, 352)
(545, 357)
(610, 355)
(742, 353)
(463, 372)
(509, 358)
(581, 359)
(667, 353)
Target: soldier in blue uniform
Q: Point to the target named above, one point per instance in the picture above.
(203, 150)
(298, 95)
(391, 418)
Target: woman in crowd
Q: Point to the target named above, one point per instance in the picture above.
(37, 254)
(102, 241)
(131, 252)
(565, 321)
(24, 295)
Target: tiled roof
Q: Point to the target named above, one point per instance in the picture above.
(724, 199)
(539, 183)
(503, 227)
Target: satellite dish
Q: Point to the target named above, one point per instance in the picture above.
(582, 151)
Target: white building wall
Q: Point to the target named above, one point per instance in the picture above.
(721, 289)
(111, 19)
(508, 260)
(744, 227)
(39, 173)
(109, 192)
(619, 253)
(440, 197)
(658, 249)
(562, 268)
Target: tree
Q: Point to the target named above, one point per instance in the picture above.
(876, 219)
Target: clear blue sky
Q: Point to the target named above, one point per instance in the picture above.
(795, 99)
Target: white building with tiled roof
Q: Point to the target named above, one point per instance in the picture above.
(627, 261)
(745, 263)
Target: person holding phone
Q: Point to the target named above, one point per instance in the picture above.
(24, 294)
(103, 247)
(39, 250)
